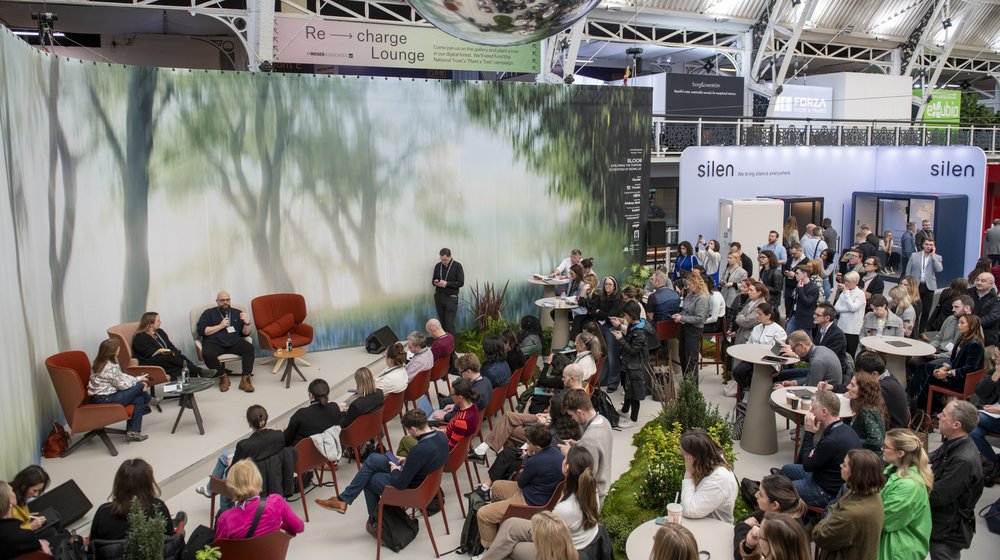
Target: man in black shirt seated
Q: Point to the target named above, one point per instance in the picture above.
(377, 472)
(222, 330)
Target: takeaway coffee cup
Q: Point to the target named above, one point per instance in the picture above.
(674, 512)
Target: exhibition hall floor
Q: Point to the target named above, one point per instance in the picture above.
(183, 460)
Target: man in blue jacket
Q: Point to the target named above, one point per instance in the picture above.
(377, 472)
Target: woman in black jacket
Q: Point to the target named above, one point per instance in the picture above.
(634, 344)
(770, 275)
(152, 347)
(316, 418)
(368, 398)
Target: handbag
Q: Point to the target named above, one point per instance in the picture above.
(991, 514)
(56, 442)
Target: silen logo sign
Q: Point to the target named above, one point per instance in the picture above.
(712, 168)
(949, 169)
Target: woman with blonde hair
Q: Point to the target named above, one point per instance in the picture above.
(674, 542)
(152, 347)
(899, 296)
(790, 232)
(367, 397)
(905, 498)
(271, 513)
(553, 540)
(588, 351)
(911, 285)
(109, 384)
(692, 317)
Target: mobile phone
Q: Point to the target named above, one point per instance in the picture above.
(392, 457)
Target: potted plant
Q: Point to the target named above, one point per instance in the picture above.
(144, 540)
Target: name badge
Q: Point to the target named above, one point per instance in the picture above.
(230, 329)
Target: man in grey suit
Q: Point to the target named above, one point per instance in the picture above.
(993, 243)
(924, 266)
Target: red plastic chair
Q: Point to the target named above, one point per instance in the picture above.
(419, 386)
(460, 455)
(529, 370)
(510, 395)
(217, 487)
(309, 458)
(364, 428)
(439, 371)
(594, 381)
(414, 498)
(665, 332)
(272, 546)
(971, 380)
(392, 408)
(495, 405)
(715, 349)
(527, 512)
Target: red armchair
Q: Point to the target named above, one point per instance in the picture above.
(70, 373)
(278, 317)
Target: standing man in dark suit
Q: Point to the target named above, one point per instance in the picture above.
(804, 298)
(223, 330)
(925, 233)
(795, 258)
(924, 266)
(448, 279)
(829, 234)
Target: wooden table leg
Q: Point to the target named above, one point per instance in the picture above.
(183, 402)
(197, 415)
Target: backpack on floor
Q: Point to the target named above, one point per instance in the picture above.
(398, 528)
(603, 405)
(469, 542)
(991, 514)
(739, 416)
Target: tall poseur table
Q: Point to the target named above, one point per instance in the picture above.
(896, 350)
(760, 435)
(560, 327)
(548, 292)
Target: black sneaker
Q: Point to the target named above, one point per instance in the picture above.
(477, 458)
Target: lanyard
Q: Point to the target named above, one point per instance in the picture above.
(444, 271)
(159, 341)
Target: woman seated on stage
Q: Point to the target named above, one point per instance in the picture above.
(152, 347)
(271, 513)
(109, 384)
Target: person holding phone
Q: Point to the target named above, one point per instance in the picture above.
(109, 384)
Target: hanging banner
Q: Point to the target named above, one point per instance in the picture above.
(396, 46)
(944, 107)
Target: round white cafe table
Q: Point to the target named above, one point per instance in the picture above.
(560, 327)
(896, 350)
(713, 536)
(779, 403)
(548, 291)
(760, 436)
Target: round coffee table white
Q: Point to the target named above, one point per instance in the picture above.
(560, 327)
(760, 435)
(713, 536)
(779, 403)
(896, 350)
(548, 291)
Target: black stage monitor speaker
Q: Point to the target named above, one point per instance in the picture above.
(656, 233)
(380, 340)
(66, 499)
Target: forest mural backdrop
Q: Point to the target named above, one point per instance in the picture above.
(131, 189)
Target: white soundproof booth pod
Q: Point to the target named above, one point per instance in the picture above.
(711, 178)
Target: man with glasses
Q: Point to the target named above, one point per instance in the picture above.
(223, 330)
(468, 367)
(824, 365)
(871, 284)
(827, 333)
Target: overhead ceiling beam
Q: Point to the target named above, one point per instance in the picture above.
(808, 6)
(919, 35)
(763, 33)
(949, 44)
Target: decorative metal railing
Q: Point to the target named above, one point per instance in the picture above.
(672, 135)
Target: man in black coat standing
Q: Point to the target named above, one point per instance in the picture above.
(958, 482)
(448, 279)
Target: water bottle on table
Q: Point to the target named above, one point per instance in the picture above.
(288, 344)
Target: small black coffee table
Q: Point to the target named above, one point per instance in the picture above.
(187, 400)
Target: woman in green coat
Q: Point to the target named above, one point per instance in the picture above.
(907, 527)
(853, 525)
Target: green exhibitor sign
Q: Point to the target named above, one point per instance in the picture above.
(300, 40)
(944, 107)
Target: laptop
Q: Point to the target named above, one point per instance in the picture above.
(67, 501)
(775, 354)
(425, 404)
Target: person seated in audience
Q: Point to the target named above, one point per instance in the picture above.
(581, 313)
(539, 478)
(588, 351)
(152, 347)
(899, 296)
(587, 265)
(468, 368)
(817, 477)
(261, 444)
(443, 344)
(575, 256)
(663, 301)
(943, 339)
(944, 308)
(421, 359)
(28, 484)
(134, 479)
(781, 537)
(806, 296)
(716, 307)
(552, 538)
(515, 358)
(988, 396)
(578, 508)
(771, 277)
(850, 307)
(768, 331)
(709, 487)
(906, 530)
(852, 526)
(775, 494)
(495, 367)
(986, 306)
(893, 394)
(880, 321)
(745, 260)
(958, 482)
(824, 365)
(529, 338)
(272, 512)
(314, 419)
(393, 378)
(464, 423)
(673, 541)
(632, 334)
(745, 318)
(377, 472)
(870, 412)
(367, 397)
(597, 437)
(109, 384)
(827, 333)
(966, 357)
(222, 330)
(15, 541)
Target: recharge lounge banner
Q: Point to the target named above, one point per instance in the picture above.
(396, 46)
(835, 173)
